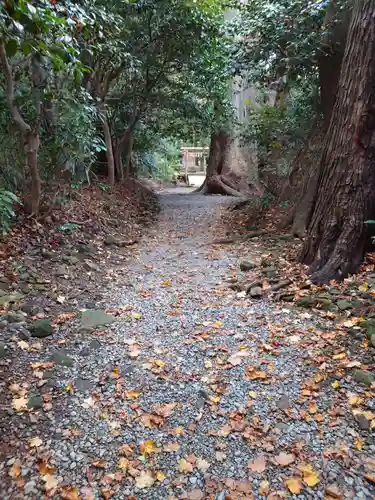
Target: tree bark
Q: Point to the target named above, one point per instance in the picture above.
(220, 178)
(32, 146)
(305, 168)
(337, 233)
(108, 143)
(128, 152)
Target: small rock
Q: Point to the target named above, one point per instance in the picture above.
(35, 402)
(62, 358)
(3, 323)
(247, 265)
(363, 422)
(344, 305)
(372, 340)
(41, 328)
(282, 426)
(47, 254)
(71, 259)
(83, 385)
(3, 350)
(363, 377)
(96, 317)
(15, 318)
(88, 248)
(61, 271)
(90, 266)
(30, 309)
(256, 292)
(283, 403)
(306, 302)
(110, 240)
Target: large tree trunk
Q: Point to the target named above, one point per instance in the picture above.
(337, 234)
(220, 176)
(306, 167)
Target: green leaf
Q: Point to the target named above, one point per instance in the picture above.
(11, 47)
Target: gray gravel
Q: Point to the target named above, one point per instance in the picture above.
(179, 313)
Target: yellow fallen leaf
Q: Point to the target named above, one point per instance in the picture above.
(136, 315)
(355, 400)
(35, 442)
(253, 394)
(310, 477)
(159, 363)
(160, 476)
(123, 463)
(166, 283)
(342, 355)
(23, 345)
(116, 372)
(336, 384)
(148, 447)
(184, 466)
(264, 488)
(358, 444)
(294, 485)
(131, 394)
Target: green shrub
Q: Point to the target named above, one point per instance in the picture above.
(7, 200)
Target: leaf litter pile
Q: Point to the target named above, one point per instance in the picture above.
(179, 383)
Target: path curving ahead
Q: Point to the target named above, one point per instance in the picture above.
(193, 392)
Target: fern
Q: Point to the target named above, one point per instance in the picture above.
(7, 200)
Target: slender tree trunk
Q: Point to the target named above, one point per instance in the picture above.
(32, 146)
(128, 154)
(337, 234)
(108, 143)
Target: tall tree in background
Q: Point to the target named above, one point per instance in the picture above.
(345, 198)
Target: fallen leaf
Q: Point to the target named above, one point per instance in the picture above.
(160, 476)
(164, 410)
(99, 464)
(184, 466)
(336, 384)
(44, 468)
(131, 394)
(171, 447)
(358, 444)
(51, 482)
(20, 404)
(148, 447)
(123, 463)
(310, 477)
(294, 485)
(23, 345)
(202, 464)
(355, 400)
(144, 480)
(88, 402)
(285, 459)
(134, 351)
(332, 491)
(69, 493)
(259, 464)
(126, 450)
(264, 488)
(35, 442)
(370, 478)
(88, 493)
(237, 358)
(195, 494)
(15, 470)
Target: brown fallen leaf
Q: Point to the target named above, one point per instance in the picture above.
(20, 404)
(264, 488)
(370, 478)
(44, 468)
(164, 410)
(126, 450)
(99, 464)
(294, 485)
(195, 494)
(332, 491)
(15, 470)
(285, 459)
(69, 493)
(237, 358)
(259, 464)
(134, 351)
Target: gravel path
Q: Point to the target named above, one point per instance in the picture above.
(193, 392)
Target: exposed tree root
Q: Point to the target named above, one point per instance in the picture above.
(248, 236)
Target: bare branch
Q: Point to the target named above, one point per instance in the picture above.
(9, 90)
